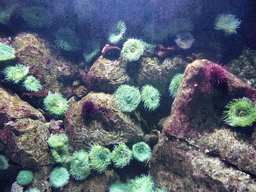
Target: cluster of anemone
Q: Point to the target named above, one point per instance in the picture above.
(228, 23)
(240, 113)
(66, 39)
(132, 50)
(117, 32)
(174, 85)
(55, 103)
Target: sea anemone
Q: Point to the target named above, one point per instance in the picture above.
(117, 32)
(55, 103)
(132, 50)
(141, 184)
(184, 40)
(174, 85)
(100, 158)
(141, 151)
(32, 84)
(88, 109)
(80, 167)
(25, 177)
(151, 97)
(6, 52)
(240, 112)
(57, 140)
(127, 98)
(227, 22)
(92, 48)
(66, 39)
(121, 155)
(37, 16)
(216, 75)
(118, 187)
(3, 162)
(16, 73)
(59, 177)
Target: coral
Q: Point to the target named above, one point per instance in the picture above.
(57, 140)
(6, 52)
(66, 39)
(3, 162)
(100, 158)
(174, 85)
(127, 98)
(227, 22)
(117, 32)
(55, 103)
(141, 184)
(118, 187)
(216, 74)
(151, 97)
(184, 40)
(32, 84)
(141, 151)
(88, 109)
(240, 112)
(121, 155)
(16, 73)
(59, 177)
(37, 17)
(91, 50)
(25, 177)
(80, 167)
(132, 50)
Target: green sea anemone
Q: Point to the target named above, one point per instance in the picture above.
(240, 112)
(59, 177)
(55, 103)
(151, 97)
(16, 73)
(174, 85)
(57, 140)
(3, 162)
(25, 177)
(6, 52)
(80, 167)
(117, 32)
(141, 151)
(141, 184)
(118, 187)
(67, 40)
(132, 50)
(121, 155)
(32, 84)
(100, 158)
(127, 98)
(33, 190)
(227, 22)
(92, 48)
(37, 16)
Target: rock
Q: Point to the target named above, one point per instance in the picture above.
(108, 125)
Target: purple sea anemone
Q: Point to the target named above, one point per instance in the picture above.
(88, 108)
(216, 75)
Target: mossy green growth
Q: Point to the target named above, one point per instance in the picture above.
(132, 50)
(121, 155)
(141, 184)
(141, 151)
(127, 98)
(174, 85)
(151, 97)
(25, 177)
(80, 166)
(32, 84)
(16, 73)
(55, 103)
(6, 52)
(240, 112)
(59, 177)
(100, 158)
(3, 162)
